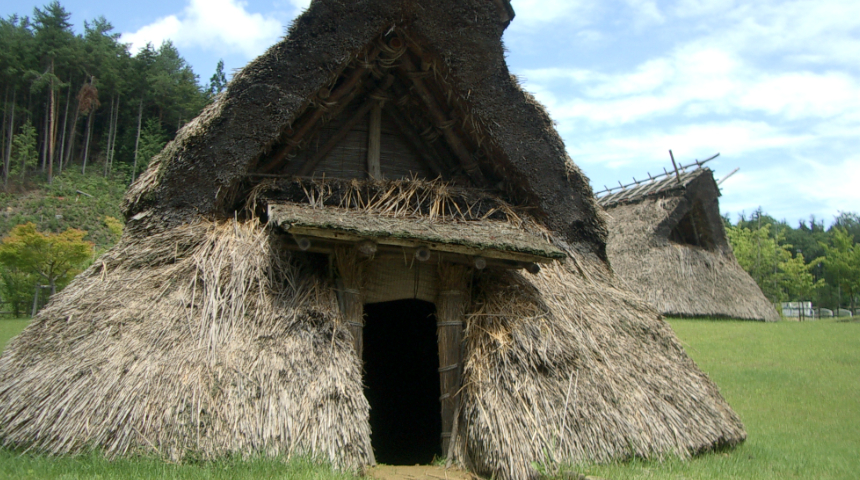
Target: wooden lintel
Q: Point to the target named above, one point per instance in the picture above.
(328, 247)
(441, 120)
(323, 233)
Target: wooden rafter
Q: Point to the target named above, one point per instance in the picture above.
(346, 89)
(344, 130)
(414, 139)
(441, 121)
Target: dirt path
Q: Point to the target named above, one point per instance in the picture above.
(420, 472)
(431, 472)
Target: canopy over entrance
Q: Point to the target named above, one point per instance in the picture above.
(494, 242)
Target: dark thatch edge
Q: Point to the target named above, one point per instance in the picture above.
(200, 170)
(682, 280)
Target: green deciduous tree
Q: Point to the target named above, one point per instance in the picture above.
(797, 280)
(54, 258)
(761, 255)
(842, 260)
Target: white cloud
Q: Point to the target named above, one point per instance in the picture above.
(691, 82)
(223, 25)
(803, 185)
(735, 139)
(571, 12)
(645, 12)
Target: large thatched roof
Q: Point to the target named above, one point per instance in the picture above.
(459, 43)
(668, 242)
(212, 329)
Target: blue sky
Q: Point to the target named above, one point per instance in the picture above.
(773, 86)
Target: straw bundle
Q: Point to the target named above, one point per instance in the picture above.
(430, 200)
(566, 367)
(199, 342)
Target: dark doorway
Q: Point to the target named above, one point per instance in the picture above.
(401, 378)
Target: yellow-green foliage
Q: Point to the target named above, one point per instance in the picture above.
(52, 259)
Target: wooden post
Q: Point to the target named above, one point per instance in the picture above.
(675, 165)
(450, 312)
(374, 142)
(351, 271)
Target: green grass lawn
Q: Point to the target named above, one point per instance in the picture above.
(795, 385)
(9, 327)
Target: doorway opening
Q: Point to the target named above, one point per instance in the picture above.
(401, 378)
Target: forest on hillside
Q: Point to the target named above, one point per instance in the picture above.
(85, 101)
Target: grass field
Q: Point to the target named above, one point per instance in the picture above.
(795, 385)
(9, 328)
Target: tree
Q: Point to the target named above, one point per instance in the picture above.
(152, 141)
(16, 289)
(842, 260)
(761, 255)
(23, 150)
(54, 257)
(54, 40)
(218, 82)
(850, 222)
(797, 280)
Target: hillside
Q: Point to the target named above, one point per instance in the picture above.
(72, 201)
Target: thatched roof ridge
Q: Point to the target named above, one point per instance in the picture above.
(200, 170)
(664, 184)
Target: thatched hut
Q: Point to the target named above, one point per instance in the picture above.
(373, 227)
(668, 243)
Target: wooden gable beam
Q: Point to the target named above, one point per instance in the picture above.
(346, 89)
(344, 130)
(442, 122)
(403, 126)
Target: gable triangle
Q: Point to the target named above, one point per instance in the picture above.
(390, 95)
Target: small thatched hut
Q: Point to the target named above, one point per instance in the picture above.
(668, 243)
(371, 246)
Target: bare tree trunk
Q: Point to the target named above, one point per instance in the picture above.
(88, 136)
(137, 140)
(47, 130)
(3, 129)
(8, 153)
(72, 134)
(61, 156)
(115, 130)
(114, 120)
(52, 126)
(110, 135)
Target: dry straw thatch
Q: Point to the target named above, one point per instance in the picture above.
(670, 246)
(207, 340)
(195, 343)
(205, 333)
